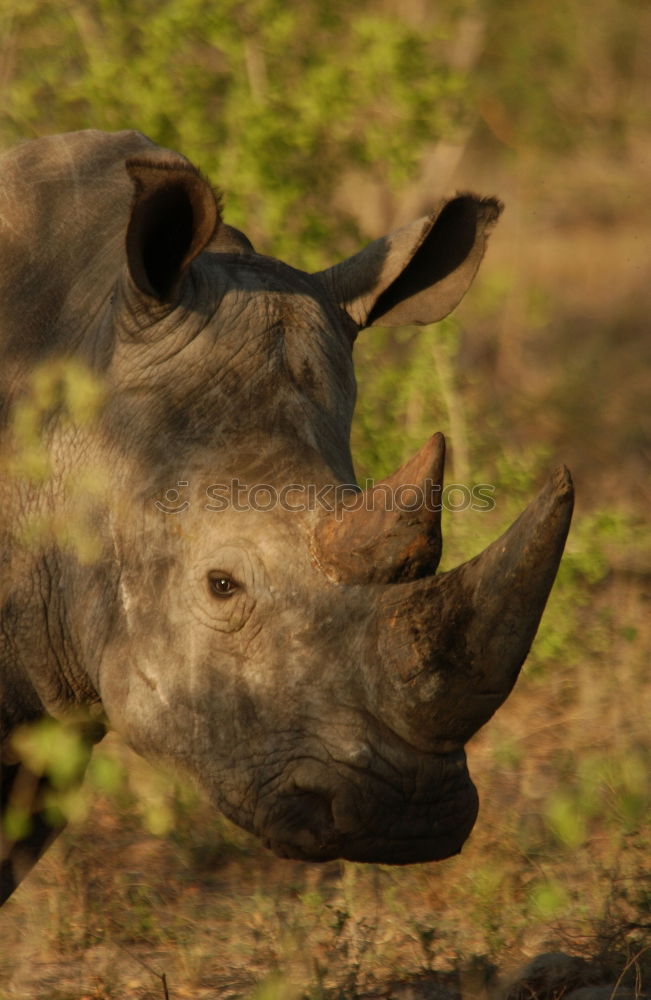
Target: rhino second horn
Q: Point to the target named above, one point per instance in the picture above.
(451, 646)
(390, 532)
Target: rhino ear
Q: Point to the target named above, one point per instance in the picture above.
(417, 274)
(173, 217)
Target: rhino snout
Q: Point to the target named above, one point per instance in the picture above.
(301, 826)
(424, 815)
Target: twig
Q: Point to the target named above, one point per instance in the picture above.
(136, 958)
(444, 367)
(632, 961)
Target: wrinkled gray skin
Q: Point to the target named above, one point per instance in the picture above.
(324, 701)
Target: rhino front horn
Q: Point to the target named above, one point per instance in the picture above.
(451, 646)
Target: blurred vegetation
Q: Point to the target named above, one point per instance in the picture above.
(326, 124)
(277, 102)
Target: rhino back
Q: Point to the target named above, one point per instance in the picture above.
(64, 206)
(64, 201)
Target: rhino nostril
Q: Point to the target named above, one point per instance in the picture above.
(307, 822)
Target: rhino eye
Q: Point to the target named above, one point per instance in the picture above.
(221, 584)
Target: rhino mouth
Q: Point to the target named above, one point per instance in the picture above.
(427, 818)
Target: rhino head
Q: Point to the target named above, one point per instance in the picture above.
(254, 617)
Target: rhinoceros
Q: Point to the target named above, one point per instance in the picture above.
(291, 647)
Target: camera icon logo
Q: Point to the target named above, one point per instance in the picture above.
(173, 502)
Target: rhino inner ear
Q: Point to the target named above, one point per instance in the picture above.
(446, 246)
(419, 273)
(173, 218)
